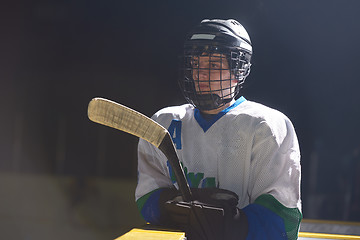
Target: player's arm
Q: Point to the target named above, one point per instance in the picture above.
(274, 212)
(269, 219)
(153, 179)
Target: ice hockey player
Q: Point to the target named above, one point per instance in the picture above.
(241, 158)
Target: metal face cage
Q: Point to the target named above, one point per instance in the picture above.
(210, 76)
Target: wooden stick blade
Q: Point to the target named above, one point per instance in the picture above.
(115, 115)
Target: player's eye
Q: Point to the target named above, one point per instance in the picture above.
(215, 65)
(195, 63)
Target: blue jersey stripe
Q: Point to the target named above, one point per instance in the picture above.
(264, 224)
(151, 211)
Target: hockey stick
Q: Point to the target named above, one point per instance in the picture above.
(125, 119)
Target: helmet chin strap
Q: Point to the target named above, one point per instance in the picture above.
(209, 101)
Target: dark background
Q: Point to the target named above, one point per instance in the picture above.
(57, 55)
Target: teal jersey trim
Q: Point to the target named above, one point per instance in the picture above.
(291, 216)
(206, 122)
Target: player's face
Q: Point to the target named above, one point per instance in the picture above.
(211, 74)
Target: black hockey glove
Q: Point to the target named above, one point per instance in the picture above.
(213, 215)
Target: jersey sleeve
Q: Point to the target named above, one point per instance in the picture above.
(153, 175)
(153, 171)
(275, 206)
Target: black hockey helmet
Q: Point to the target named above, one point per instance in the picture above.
(226, 40)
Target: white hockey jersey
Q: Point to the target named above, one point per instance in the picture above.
(248, 148)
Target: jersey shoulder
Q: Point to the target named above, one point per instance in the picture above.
(266, 119)
(174, 112)
(260, 111)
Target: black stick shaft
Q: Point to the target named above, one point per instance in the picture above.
(167, 147)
